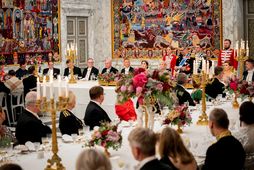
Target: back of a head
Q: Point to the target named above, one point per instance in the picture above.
(31, 69)
(91, 159)
(144, 139)
(171, 144)
(95, 92)
(10, 166)
(31, 98)
(11, 73)
(220, 118)
(246, 112)
(218, 70)
(181, 78)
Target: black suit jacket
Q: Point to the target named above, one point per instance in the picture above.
(29, 83)
(167, 161)
(245, 74)
(183, 96)
(56, 72)
(94, 71)
(112, 70)
(155, 165)
(76, 71)
(226, 153)
(131, 70)
(69, 123)
(21, 73)
(3, 88)
(215, 88)
(30, 128)
(95, 115)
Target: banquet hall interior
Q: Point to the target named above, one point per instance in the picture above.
(126, 84)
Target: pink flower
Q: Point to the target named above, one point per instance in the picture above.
(233, 85)
(139, 90)
(140, 80)
(123, 88)
(159, 87)
(130, 89)
(113, 136)
(141, 100)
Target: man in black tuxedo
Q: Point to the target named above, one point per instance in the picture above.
(108, 67)
(127, 68)
(51, 69)
(22, 71)
(142, 142)
(216, 87)
(29, 126)
(227, 152)
(248, 74)
(90, 70)
(70, 65)
(95, 114)
(30, 82)
(182, 95)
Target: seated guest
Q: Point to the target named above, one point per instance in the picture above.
(163, 66)
(4, 131)
(30, 82)
(144, 64)
(10, 166)
(95, 114)
(227, 72)
(142, 142)
(90, 72)
(91, 159)
(70, 66)
(22, 71)
(182, 95)
(227, 152)
(3, 88)
(196, 94)
(127, 68)
(29, 126)
(13, 83)
(246, 132)
(68, 122)
(173, 152)
(108, 67)
(51, 70)
(248, 75)
(216, 86)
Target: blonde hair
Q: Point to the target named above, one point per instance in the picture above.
(72, 98)
(171, 144)
(91, 159)
(144, 139)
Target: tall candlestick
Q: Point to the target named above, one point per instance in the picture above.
(59, 86)
(207, 67)
(44, 87)
(38, 89)
(67, 90)
(51, 90)
(242, 44)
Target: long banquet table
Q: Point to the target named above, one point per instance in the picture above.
(197, 139)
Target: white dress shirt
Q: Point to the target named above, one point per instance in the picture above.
(126, 70)
(249, 76)
(88, 73)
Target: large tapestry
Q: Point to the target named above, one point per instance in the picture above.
(145, 28)
(29, 31)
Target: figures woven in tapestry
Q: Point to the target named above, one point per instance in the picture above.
(146, 28)
(28, 29)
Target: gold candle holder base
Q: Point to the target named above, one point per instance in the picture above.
(179, 130)
(203, 120)
(235, 104)
(55, 163)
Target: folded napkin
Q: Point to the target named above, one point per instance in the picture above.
(67, 138)
(30, 146)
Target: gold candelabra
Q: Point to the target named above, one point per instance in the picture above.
(203, 118)
(71, 55)
(51, 106)
(241, 58)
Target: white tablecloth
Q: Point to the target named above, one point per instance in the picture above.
(198, 137)
(81, 90)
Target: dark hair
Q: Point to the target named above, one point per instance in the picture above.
(31, 69)
(10, 166)
(11, 72)
(181, 78)
(228, 62)
(220, 118)
(95, 92)
(23, 62)
(218, 70)
(250, 61)
(246, 112)
(228, 40)
(68, 61)
(145, 62)
(50, 61)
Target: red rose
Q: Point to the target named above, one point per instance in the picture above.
(155, 74)
(166, 86)
(233, 85)
(138, 71)
(183, 122)
(139, 80)
(104, 133)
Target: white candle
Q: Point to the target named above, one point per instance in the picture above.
(242, 44)
(212, 67)
(59, 86)
(51, 90)
(236, 45)
(67, 90)
(44, 87)
(247, 52)
(38, 89)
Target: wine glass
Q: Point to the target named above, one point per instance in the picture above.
(74, 137)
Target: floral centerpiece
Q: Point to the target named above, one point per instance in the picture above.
(179, 116)
(5, 140)
(107, 79)
(107, 136)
